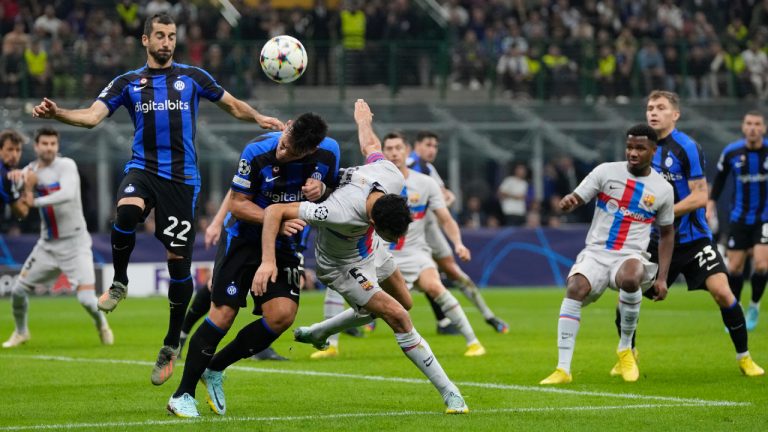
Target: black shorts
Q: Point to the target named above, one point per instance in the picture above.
(696, 261)
(743, 236)
(174, 203)
(236, 263)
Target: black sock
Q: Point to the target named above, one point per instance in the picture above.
(201, 304)
(733, 317)
(202, 345)
(122, 246)
(253, 338)
(758, 286)
(124, 239)
(180, 291)
(439, 315)
(618, 326)
(736, 282)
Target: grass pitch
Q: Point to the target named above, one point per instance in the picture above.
(64, 379)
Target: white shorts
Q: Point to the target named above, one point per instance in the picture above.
(49, 258)
(357, 283)
(436, 240)
(412, 262)
(601, 266)
(385, 263)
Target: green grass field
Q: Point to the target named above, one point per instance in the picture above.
(64, 379)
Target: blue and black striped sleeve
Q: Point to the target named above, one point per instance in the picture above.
(723, 169)
(206, 85)
(247, 179)
(695, 168)
(115, 94)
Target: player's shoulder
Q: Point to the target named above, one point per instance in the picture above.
(329, 144)
(192, 71)
(683, 140)
(660, 182)
(262, 144)
(735, 146)
(65, 161)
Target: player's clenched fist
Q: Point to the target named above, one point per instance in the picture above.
(569, 202)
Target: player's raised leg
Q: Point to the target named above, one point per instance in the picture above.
(129, 214)
(759, 279)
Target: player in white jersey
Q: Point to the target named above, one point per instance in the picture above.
(420, 160)
(366, 203)
(64, 245)
(630, 197)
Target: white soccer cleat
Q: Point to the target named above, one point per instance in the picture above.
(183, 406)
(16, 339)
(454, 404)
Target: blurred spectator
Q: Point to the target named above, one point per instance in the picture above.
(561, 72)
(535, 28)
(759, 17)
(512, 72)
(240, 76)
(669, 14)
(737, 31)
(698, 69)
(673, 75)
(469, 63)
(605, 74)
(454, 13)
(12, 71)
(757, 66)
(64, 82)
(195, 46)
(353, 26)
(16, 38)
(651, 65)
(47, 25)
(513, 195)
(473, 215)
(38, 70)
(106, 60)
(214, 62)
(128, 11)
(154, 7)
(320, 32)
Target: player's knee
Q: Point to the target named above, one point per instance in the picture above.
(577, 287)
(128, 216)
(761, 268)
(222, 316)
(630, 284)
(397, 318)
(19, 289)
(281, 321)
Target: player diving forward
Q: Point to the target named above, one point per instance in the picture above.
(630, 197)
(366, 203)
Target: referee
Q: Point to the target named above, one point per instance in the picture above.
(747, 161)
(162, 99)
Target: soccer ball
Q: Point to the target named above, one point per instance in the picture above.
(283, 59)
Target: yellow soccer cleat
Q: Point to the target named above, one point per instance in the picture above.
(749, 367)
(616, 371)
(474, 350)
(628, 365)
(559, 376)
(331, 352)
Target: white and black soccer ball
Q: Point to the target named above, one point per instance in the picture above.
(283, 59)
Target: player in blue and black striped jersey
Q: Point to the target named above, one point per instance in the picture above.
(12, 191)
(679, 159)
(746, 162)
(298, 164)
(162, 99)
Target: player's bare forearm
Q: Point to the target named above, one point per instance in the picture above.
(218, 219)
(20, 208)
(450, 227)
(274, 215)
(241, 207)
(570, 202)
(86, 117)
(369, 142)
(242, 111)
(695, 200)
(666, 248)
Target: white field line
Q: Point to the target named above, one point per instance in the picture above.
(321, 417)
(521, 388)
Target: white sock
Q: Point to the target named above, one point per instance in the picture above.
(452, 309)
(445, 322)
(754, 305)
(629, 311)
(88, 299)
(419, 352)
(567, 329)
(333, 305)
(346, 319)
(20, 306)
(472, 293)
(739, 356)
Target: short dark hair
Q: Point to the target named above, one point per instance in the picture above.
(672, 97)
(755, 113)
(422, 135)
(640, 130)
(46, 130)
(160, 18)
(394, 135)
(307, 132)
(12, 136)
(390, 213)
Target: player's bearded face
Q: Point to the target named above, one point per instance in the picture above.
(47, 147)
(161, 44)
(10, 154)
(753, 128)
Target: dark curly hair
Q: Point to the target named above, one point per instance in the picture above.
(307, 132)
(391, 214)
(640, 130)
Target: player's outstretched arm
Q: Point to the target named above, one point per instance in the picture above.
(242, 111)
(570, 202)
(369, 142)
(86, 117)
(695, 200)
(273, 217)
(666, 247)
(451, 229)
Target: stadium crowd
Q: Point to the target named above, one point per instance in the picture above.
(606, 49)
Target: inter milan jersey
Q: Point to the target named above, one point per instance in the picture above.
(267, 181)
(163, 104)
(679, 159)
(7, 195)
(750, 173)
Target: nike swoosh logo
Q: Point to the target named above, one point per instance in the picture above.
(218, 404)
(710, 267)
(137, 88)
(269, 179)
(174, 244)
(294, 293)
